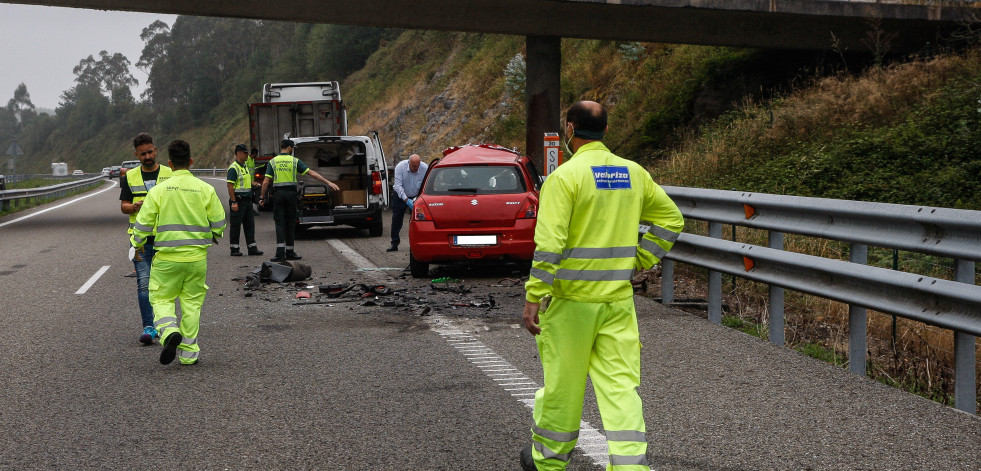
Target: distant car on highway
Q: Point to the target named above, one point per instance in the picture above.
(106, 171)
(115, 171)
(77, 173)
(128, 165)
(478, 203)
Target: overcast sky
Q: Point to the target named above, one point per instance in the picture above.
(40, 46)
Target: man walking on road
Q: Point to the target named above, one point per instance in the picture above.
(408, 181)
(186, 216)
(281, 173)
(133, 189)
(240, 185)
(586, 253)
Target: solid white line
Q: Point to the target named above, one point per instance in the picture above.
(92, 280)
(60, 205)
(446, 329)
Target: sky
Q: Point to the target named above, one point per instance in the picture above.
(39, 46)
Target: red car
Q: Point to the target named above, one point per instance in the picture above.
(477, 203)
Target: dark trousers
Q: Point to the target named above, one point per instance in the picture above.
(284, 213)
(398, 215)
(243, 217)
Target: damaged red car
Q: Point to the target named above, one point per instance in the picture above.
(479, 203)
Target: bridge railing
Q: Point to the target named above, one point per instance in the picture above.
(954, 305)
(51, 191)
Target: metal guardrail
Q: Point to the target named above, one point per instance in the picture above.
(954, 305)
(58, 190)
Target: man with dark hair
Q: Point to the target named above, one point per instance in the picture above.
(133, 189)
(239, 182)
(186, 216)
(281, 173)
(579, 301)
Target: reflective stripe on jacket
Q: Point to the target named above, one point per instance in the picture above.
(283, 169)
(587, 230)
(186, 213)
(134, 179)
(242, 183)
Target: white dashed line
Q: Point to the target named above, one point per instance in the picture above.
(88, 284)
(591, 442)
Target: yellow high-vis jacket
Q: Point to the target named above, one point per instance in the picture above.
(134, 179)
(186, 213)
(587, 231)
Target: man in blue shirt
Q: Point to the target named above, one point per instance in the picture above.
(408, 181)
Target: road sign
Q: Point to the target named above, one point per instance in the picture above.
(553, 154)
(14, 148)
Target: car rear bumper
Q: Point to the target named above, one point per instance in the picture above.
(430, 244)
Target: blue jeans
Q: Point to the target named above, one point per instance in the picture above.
(143, 283)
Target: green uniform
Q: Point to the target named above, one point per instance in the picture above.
(241, 179)
(586, 254)
(185, 213)
(284, 169)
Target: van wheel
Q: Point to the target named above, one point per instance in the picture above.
(417, 268)
(376, 229)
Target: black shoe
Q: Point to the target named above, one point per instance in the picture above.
(170, 348)
(393, 248)
(236, 253)
(291, 255)
(280, 256)
(527, 462)
(254, 251)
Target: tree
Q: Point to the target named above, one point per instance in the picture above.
(110, 74)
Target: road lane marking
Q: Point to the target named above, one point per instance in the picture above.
(60, 205)
(92, 280)
(457, 338)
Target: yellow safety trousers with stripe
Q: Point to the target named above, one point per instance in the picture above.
(134, 179)
(586, 252)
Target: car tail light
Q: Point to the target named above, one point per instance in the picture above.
(529, 210)
(420, 211)
(376, 183)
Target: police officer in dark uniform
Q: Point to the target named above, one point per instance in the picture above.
(281, 173)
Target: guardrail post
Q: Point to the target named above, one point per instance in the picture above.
(965, 376)
(715, 282)
(667, 281)
(776, 323)
(857, 320)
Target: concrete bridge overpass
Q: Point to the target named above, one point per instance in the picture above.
(783, 24)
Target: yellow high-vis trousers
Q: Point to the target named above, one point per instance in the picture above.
(601, 340)
(185, 281)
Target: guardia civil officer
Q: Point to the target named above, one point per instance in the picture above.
(586, 253)
(133, 189)
(281, 174)
(239, 182)
(186, 216)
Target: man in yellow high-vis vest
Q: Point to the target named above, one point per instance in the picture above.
(133, 189)
(186, 216)
(586, 253)
(281, 174)
(240, 215)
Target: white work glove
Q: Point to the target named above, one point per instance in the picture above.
(410, 202)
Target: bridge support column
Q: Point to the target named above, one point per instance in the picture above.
(776, 322)
(965, 359)
(715, 282)
(542, 86)
(857, 320)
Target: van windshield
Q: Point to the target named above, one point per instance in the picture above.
(475, 179)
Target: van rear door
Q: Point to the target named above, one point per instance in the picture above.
(381, 166)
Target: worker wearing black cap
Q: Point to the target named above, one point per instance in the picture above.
(240, 213)
(282, 171)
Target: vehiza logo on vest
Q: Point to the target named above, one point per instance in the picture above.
(610, 177)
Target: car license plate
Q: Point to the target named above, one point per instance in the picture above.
(475, 240)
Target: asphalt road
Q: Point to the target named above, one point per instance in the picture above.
(422, 383)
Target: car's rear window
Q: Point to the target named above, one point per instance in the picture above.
(475, 179)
